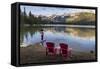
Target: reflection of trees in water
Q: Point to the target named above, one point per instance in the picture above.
(59, 29)
(81, 32)
(33, 29)
(30, 29)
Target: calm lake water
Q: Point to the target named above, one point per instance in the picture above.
(80, 39)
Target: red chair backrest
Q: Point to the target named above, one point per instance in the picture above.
(64, 48)
(50, 46)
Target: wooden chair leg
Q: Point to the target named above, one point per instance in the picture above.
(70, 52)
(46, 52)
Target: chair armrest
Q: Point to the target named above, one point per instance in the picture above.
(69, 49)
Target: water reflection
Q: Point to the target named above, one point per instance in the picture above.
(82, 32)
(82, 39)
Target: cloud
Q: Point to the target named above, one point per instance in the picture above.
(40, 10)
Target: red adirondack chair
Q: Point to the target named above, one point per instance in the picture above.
(64, 50)
(50, 50)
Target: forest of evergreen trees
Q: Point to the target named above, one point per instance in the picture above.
(30, 19)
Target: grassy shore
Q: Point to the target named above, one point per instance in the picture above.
(37, 54)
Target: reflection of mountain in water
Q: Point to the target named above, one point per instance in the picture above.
(81, 32)
(77, 43)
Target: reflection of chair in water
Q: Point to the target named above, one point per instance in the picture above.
(50, 50)
(64, 50)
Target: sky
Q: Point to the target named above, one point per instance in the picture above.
(46, 11)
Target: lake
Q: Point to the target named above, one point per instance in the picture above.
(78, 38)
